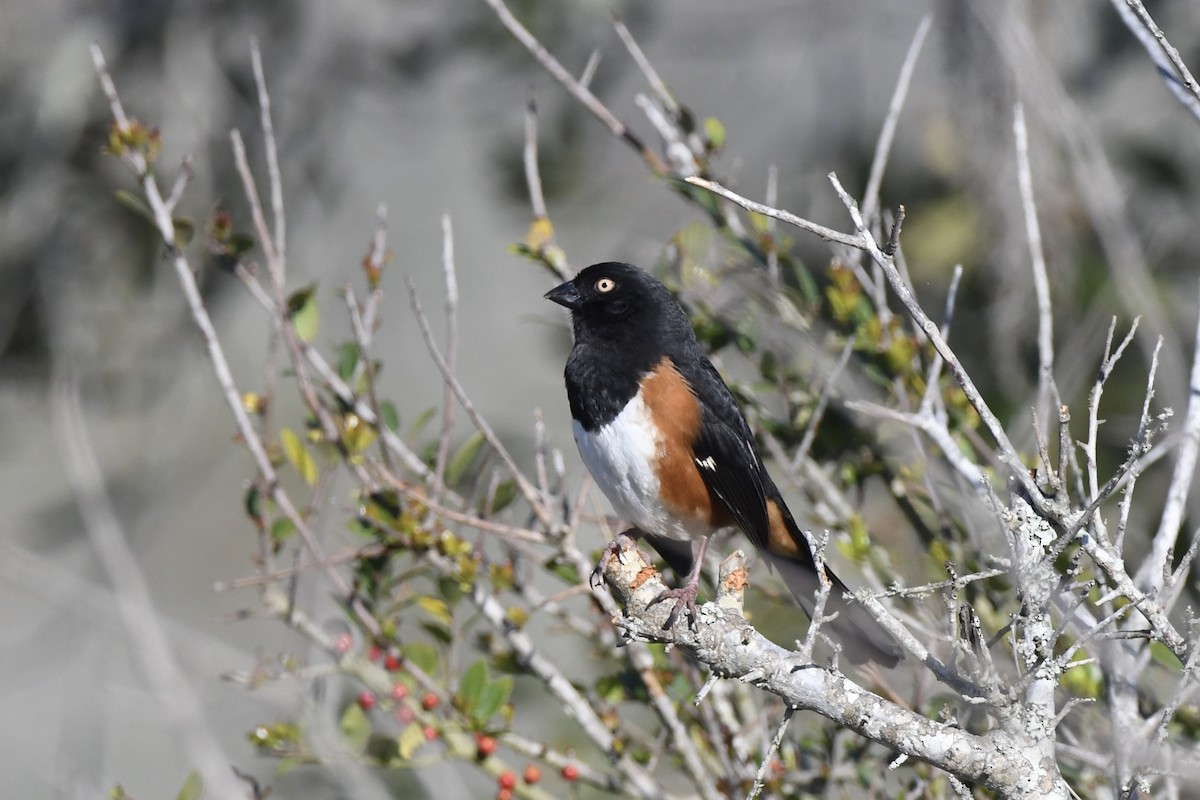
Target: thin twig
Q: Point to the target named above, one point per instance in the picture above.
(1150, 573)
(760, 777)
(577, 89)
(818, 413)
(143, 626)
(275, 177)
(339, 387)
(362, 339)
(887, 134)
(1041, 283)
(772, 198)
(933, 374)
(1008, 452)
(533, 178)
(451, 356)
(652, 78)
(276, 269)
(528, 490)
(829, 234)
(575, 704)
(216, 354)
(1171, 67)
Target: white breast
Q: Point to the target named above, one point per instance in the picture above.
(620, 456)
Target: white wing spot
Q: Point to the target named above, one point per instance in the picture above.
(707, 463)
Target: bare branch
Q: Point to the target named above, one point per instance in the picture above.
(1150, 573)
(652, 78)
(1008, 453)
(1171, 67)
(147, 639)
(577, 89)
(818, 413)
(769, 756)
(1041, 283)
(451, 356)
(828, 234)
(528, 490)
(883, 145)
(274, 175)
(724, 640)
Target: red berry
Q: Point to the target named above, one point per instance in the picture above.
(404, 715)
(570, 772)
(532, 774)
(485, 746)
(504, 794)
(373, 653)
(342, 643)
(366, 700)
(430, 701)
(507, 780)
(430, 733)
(391, 662)
(399, 692)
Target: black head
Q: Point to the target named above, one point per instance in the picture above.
(625, 322)
(618, 301)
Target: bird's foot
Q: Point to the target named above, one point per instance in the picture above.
(614, 549)
(684, 599)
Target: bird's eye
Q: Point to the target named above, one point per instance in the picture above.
(605, 285)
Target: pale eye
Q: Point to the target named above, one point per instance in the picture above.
(605, 285)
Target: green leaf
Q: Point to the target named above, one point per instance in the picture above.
(506, 492)
(423, 656)
(134, 204)
(304, 313)
(347, 360)
(193, 787)
(563, 570)
(184, 231)
(389, 415)
(410, 740)
(450, 590)
(253, 503)
(240, 244)
(714, 133)
(281, 530)
(436, 608)
(438, 631)
(462, 459)
(287, 764)
(494, 696)
(611, 689)
(298, 456)
(383, 749)
(1163, 655)
(474, 682)
(355, 726)
(420, 422)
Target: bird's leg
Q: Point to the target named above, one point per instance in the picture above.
(685, 596)
(623, 541)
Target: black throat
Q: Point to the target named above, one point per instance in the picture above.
(602, 379)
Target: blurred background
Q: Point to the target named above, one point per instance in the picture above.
(419, 106)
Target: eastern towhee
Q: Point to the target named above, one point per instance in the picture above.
(661, 435)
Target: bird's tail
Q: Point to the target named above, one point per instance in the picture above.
(860, 635)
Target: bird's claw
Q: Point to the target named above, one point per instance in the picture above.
(615, 548)
(684, 598)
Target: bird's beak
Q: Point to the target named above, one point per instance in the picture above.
(566, 295)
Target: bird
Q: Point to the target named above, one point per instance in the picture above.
(662, 436)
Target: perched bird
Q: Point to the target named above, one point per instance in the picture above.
(663, 438)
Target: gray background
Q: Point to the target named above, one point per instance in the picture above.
(419, 106)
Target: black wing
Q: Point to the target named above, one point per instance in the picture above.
(725, 452)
